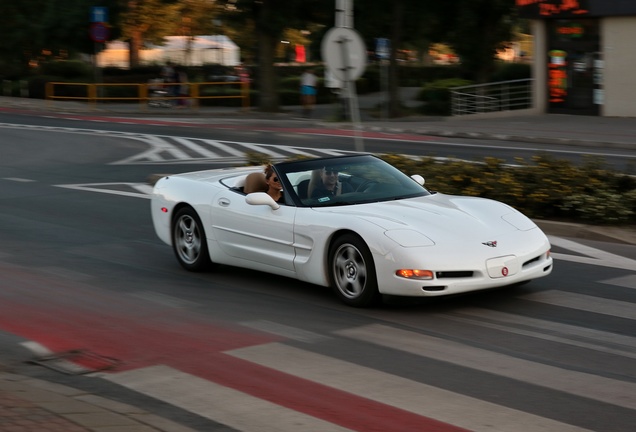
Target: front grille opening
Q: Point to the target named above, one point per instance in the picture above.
(453, 274)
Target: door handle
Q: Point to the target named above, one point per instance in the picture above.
(224, 202)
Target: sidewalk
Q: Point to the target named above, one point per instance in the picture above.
(558, 129)
(29, 405)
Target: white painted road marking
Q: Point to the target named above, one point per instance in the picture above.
(607, 390)
(592, 255)
(422, 399)
(218, 403)
(585, 303)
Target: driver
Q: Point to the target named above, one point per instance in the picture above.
(329, 184)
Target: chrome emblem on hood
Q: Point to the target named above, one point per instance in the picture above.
(490, 243)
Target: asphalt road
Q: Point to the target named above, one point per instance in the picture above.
(287, 134)
(82, 269)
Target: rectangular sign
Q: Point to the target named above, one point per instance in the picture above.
(553, 8)
(382, 48)
(541, 9)
(99, 14)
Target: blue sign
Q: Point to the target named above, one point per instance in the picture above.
(382, 48)
(99, 14)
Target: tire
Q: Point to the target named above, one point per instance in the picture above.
(189, 242)
(352, 272)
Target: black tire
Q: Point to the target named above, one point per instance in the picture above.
(189, 242)
(352, 271)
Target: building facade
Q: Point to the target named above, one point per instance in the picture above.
(584, 56)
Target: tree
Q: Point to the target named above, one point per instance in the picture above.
(36, 29)
(404, 21)
(148, 21)
(270, 18)
(480, 27)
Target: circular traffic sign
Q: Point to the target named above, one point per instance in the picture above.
(344, 52)
(99, 32)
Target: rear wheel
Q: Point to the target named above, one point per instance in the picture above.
(352, 272)
(189, 242)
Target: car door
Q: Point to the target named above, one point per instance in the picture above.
(255, 233)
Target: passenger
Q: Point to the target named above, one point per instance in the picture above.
(274, 187)
(329, 184)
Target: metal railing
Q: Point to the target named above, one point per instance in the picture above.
(145, 93)
(492, 97)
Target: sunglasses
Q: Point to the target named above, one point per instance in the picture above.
(331, 172)
(275, 179)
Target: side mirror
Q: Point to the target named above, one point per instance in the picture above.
(418, 179)
(261, 198)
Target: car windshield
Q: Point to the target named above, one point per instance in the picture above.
(345, 181)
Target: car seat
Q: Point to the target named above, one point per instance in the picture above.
(255, 182)
(302, 189)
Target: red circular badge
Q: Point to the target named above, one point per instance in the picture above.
(99, 32)
(504, 271)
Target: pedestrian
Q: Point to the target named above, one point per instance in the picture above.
(169, 76)
(308, 83)
(182, 89)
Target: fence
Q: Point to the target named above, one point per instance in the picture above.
(148, 93)
(492, 97)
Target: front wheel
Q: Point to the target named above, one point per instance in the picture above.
(189, 242)
(352, 272)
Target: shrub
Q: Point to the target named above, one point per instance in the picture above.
(437, 96)
(440, 90)
(67, 69)
(511, 71)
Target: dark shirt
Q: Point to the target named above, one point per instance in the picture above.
(320, 190)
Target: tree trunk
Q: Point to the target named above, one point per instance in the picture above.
(134, 45)
(395, 109)
(268, 38)
(268, 90)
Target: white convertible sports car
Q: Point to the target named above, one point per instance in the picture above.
(379, 232)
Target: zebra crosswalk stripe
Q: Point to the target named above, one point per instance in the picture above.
(196, 148)
(218, 403)
(429, 401)
(603, 389)
(584, 302)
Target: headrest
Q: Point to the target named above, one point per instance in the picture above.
(255, 182)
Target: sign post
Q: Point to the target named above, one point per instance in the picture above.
(383, 54)
(344, 53)
(99, 34)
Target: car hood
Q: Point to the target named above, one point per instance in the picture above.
(442, 215)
